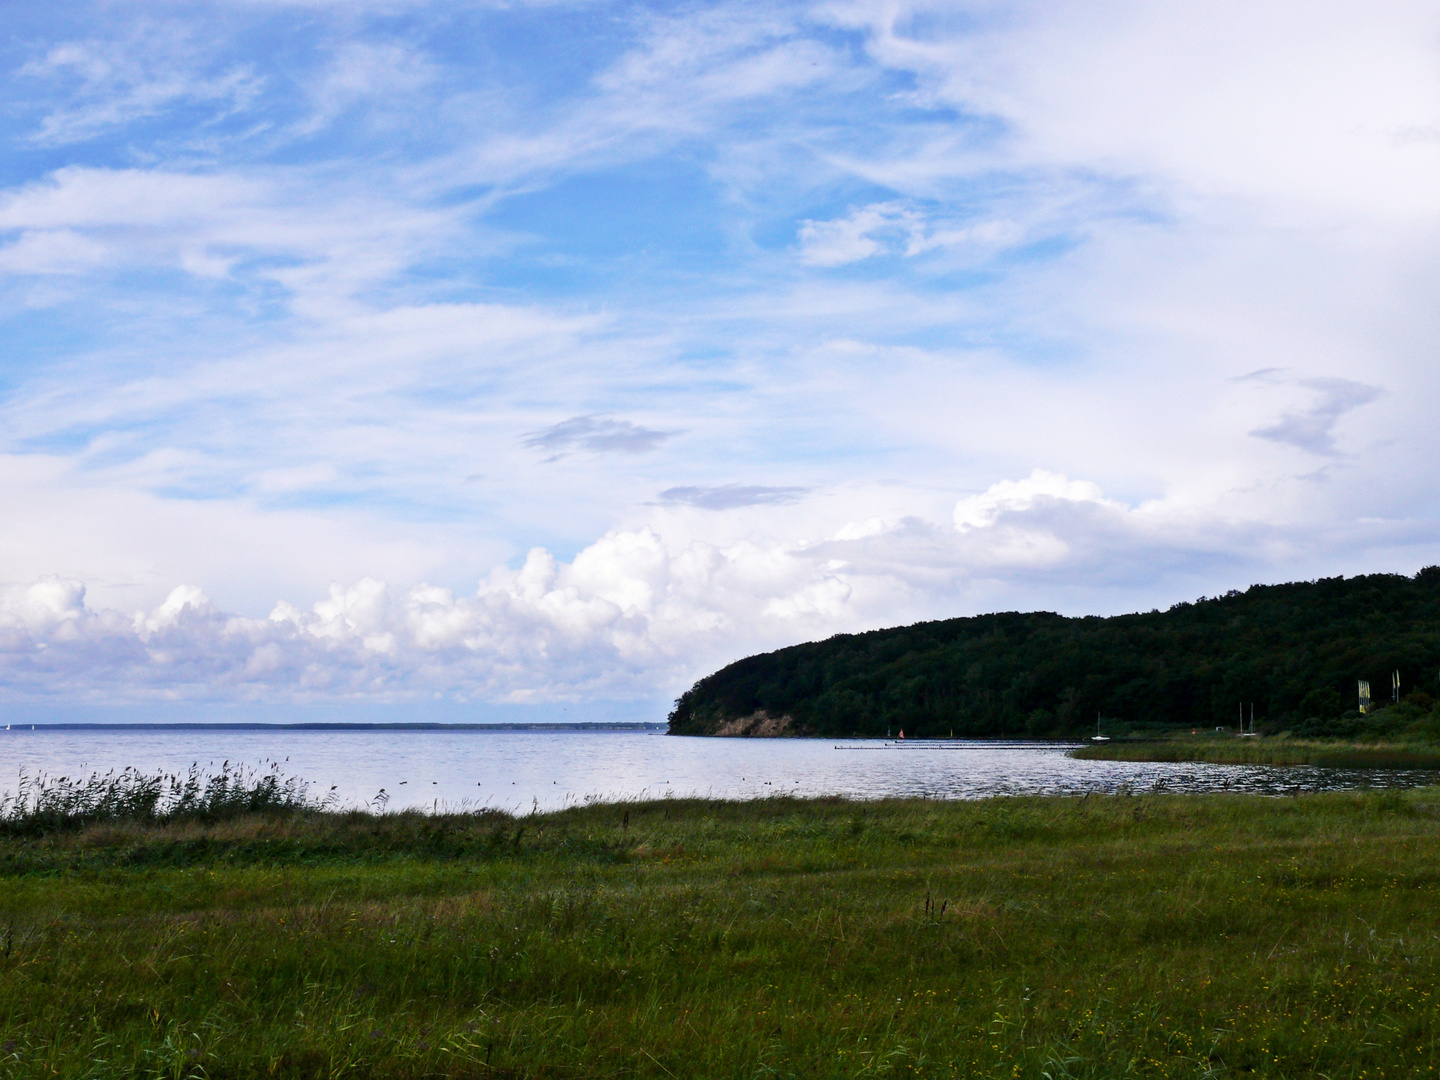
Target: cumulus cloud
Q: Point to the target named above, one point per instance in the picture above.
(729, 496)
(625, 615)
(629, 615)
(596, 435)
(1008, 497)
(1021, 518)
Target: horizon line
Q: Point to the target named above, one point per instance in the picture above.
(535, 725)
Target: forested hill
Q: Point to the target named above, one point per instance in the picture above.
(1295, 650)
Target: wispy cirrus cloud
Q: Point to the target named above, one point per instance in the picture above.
(382, 77)
(104, 84)
(271, 230)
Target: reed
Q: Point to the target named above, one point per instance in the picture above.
(43, 803)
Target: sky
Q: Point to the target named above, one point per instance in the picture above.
(491, 360)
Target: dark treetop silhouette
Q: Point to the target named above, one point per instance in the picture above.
(1293, 650)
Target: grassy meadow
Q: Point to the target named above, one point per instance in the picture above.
(1126, 936)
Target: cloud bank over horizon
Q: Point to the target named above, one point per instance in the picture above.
(564, 352)
(625, 617)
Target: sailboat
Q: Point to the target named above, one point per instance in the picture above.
(1251, 733)
(1097, 737)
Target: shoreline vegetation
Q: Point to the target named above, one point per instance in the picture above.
(1324, 753)
(183, 928)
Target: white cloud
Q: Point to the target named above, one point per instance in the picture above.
(383, 77)
(1304, 104)
(625, 613)
(320, 246)
(53, 251)
(1040, 488)
(1048, 521)
(895, 228)
(848, 239)
(699, 74)
(275, 362)
(111, 83)
(629, 616)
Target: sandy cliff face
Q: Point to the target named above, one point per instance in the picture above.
(758, 725)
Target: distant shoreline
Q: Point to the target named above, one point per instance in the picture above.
(639, 726)
(1328, 754)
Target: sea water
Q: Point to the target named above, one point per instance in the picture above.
(524, 771)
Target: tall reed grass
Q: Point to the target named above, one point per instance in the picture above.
(44, 804)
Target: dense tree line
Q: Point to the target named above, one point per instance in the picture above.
(1293, 650)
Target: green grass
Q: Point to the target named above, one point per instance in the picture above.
(1151, 936)
(1268, 751)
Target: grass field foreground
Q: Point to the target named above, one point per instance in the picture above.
(1125, 936)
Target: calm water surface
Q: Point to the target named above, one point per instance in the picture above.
(523, 771)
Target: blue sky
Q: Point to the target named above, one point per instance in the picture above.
(476, 356)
